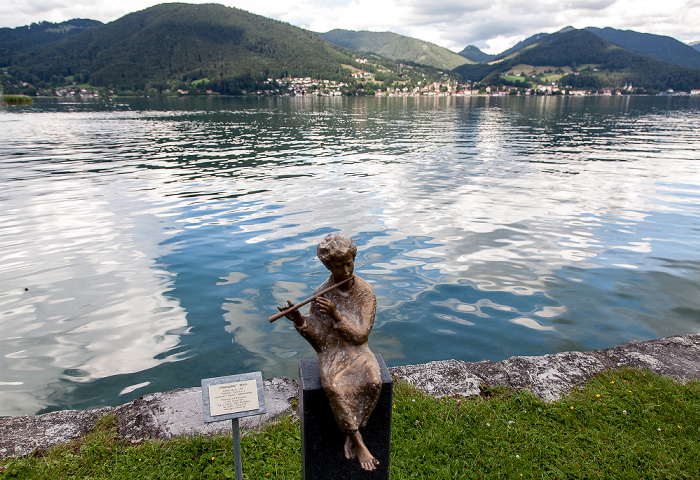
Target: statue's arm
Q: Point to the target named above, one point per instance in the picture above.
(354, 326)
(308, 330)
(308, 334)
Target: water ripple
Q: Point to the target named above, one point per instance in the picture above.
(145, 242)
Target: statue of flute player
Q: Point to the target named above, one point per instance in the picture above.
(337, 327)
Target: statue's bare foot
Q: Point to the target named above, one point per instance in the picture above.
(367, 461)
(349, 448)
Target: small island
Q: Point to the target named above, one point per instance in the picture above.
(16, 99)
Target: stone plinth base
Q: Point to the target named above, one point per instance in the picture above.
(322, 453)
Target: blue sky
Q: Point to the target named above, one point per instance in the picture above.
(492, 25)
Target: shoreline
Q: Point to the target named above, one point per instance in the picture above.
(179, 412)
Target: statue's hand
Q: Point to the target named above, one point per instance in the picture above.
(294, 316)
(327, 306)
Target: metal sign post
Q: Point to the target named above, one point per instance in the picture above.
(230, 398)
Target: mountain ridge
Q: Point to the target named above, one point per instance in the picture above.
(474, 53)
(227, 50)
(664, 48)
(191, 42)
(13, 40)
(396, 47)
(593, 61)
(661, 47)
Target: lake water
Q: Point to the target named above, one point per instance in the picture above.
(144, 243)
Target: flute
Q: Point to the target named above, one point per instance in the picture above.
(310, 299)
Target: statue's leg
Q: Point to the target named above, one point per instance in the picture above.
(349, 448)
(367, 461)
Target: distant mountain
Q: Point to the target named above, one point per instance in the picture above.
(661, 47)
(573, 47)
(597, 62)
(179, 42)
(177, 45)
(396, 47)
(666, 49)
(473, 53)
(526, 43)
(14, 40)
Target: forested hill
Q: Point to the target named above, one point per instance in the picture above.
(396, 47)
(176, 42)
(14, 40)
(666, 49)
(594, 62)
(178, 47)
(661, 47)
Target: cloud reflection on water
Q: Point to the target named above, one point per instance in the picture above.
(488, 227)
(83, 296)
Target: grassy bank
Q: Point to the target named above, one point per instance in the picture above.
(623, 424)
(17, 99)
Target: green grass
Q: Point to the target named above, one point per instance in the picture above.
(513, 78)
(551, 77)
(623, 424)
(16, 99)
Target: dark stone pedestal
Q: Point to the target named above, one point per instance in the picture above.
(322, 453)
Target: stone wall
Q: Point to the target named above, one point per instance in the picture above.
(179, 412)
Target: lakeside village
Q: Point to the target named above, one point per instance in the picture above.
(543, 81)
(308, 86)
(447, 86)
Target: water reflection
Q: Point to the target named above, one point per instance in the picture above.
(83, 297)
(156, 237)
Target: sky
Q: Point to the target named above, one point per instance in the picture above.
(491, 25)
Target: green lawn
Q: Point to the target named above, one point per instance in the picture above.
(514, 78)
(623, 424)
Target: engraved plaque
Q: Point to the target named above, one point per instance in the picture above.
(234, 396)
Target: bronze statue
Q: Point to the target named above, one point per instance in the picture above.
(337, 327)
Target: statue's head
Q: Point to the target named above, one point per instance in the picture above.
(335, 246)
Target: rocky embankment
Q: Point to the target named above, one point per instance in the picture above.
(179, 412)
